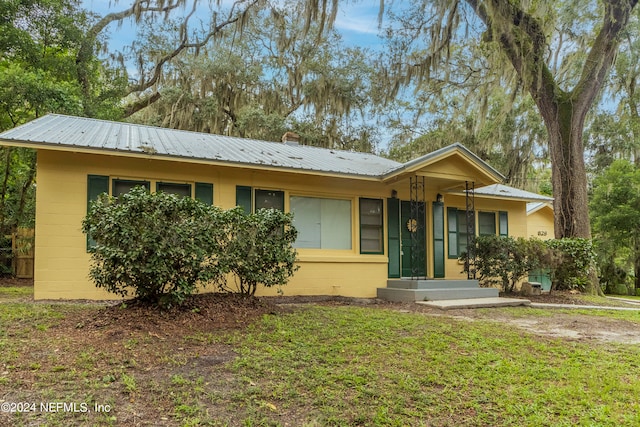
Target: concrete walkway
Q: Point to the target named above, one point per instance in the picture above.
(589, 307)
(627, 300)
(452, 304)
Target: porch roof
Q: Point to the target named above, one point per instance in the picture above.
(501, 191)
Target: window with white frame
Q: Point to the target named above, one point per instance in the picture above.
(321, 223)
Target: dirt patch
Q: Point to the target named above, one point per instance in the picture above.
(205, 312)
(6, 282)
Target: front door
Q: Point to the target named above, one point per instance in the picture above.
(413, 257)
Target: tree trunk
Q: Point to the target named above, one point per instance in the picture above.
(569, 176)
(636, 266)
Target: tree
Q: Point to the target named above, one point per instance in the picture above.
(259, 249)
(623, 88)
(38, 40)
(522, 34)
(615, 210)
(276, 77)
(157, 246)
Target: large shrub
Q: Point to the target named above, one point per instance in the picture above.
(259, 250)
(158, 247)
(573, 263)
(505, 261)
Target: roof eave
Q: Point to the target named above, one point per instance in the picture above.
(492, 174)
(195, 160)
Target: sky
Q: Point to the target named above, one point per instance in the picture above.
(357, 23)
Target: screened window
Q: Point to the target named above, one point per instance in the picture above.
(462, 231)
(122, 186)
(457, 231)
(321, 223)
(269, 199)
(487, 223)
(371, 235)
(174, 188)
(504, 223)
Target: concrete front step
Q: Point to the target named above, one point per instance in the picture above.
(476, 303)
(413, 295)
(431, 284)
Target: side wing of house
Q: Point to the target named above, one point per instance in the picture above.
(540, 222)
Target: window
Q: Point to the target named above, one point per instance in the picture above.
(264, 199)
(183, 190)
(486, 223)
(321, 223)
(371, 235)
(96, 185)
(457, 226)
(503, 223)
(269, 199)
(121, 186)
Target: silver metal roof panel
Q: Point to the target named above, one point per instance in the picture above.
(504, 191)
(83, 133)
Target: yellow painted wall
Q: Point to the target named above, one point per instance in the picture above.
(540, 224)
(517, 223)
(62, 263)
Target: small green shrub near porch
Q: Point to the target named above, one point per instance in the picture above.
(160, 247)
(505, 261)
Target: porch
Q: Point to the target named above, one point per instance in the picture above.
(445, 294)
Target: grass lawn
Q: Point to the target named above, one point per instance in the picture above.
(309, 365)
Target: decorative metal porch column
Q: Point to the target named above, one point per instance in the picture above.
(417, 227)
(470, 197)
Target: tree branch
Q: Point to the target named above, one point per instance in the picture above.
(602, 53)
(232, 18)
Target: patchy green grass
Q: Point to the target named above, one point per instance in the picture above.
(313, 366)
(13, 292)
(517, 312)
(357, 366)
(631, 297)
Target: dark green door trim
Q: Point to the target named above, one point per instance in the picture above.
(438, 240)
(393, 234)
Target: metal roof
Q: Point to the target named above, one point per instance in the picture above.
(456, 147)
(61, 131)
(504, 191)
(536, 206)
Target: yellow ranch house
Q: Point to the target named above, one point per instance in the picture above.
(368, 226)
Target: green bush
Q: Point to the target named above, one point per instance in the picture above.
(259, 250)
(505, 261)
(157, 246)
(573, 262)
(160, 247)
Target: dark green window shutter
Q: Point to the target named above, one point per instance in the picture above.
(438, 239)
(244, 198)
(503, 223)
(393, 224)
(452, 223)
(204, 192)
(96, 185)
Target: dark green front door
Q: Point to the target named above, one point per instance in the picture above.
(413, 256)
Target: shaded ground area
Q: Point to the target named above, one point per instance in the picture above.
(149, 364)
(210, 312)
